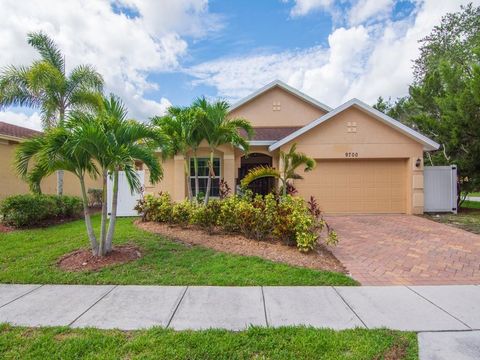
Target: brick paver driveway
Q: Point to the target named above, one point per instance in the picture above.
(405, 249)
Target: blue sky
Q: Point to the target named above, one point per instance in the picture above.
(157, 53)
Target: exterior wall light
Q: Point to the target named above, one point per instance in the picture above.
(418, 162)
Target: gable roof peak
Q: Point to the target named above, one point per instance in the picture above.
(286, 87)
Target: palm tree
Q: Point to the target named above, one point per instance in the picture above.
(116, 143)
(291, 161)
(180, 131)
(46, 85)
(51, 152)
(219, 129)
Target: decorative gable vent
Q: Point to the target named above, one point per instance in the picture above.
(276, 106)
(352, 126)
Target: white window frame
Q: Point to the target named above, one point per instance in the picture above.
(217, 176)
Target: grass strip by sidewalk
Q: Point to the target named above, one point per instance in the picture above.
(30, 256)
(158, 343)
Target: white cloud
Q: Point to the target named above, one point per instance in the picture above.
(303, 7)
(365, 10)
(363, 61)
(21, 119)
(124, 49)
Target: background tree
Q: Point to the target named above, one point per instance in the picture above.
(219, 129)
(45, 85)
(443, 101)
(290, 161)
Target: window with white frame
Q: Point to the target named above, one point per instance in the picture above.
(203, 176)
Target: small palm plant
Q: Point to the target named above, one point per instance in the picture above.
(291, 161)
(46, 85)
(180, 131)
(219, 129)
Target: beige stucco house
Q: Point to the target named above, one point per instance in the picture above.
(367, 162)
(11, 184)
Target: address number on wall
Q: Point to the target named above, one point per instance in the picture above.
(351, 154)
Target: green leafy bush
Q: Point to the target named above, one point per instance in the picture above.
(206, 216)
(156, 208)
(288, 219)
(30, 210)
(182, 213)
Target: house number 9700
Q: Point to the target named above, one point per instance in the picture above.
(351, 154)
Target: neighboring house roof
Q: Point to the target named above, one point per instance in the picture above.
(285, 87)
(15, 132)
(428, 144)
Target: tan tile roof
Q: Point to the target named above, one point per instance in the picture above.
(17, 131)
(272, 133)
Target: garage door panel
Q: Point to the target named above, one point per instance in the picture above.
(357, 186)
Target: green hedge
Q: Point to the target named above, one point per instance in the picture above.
(31, 210)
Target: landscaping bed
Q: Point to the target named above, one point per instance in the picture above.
(82, 260)
(320, 258)
(254, 343)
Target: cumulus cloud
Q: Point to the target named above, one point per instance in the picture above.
(126, 40)
(303, 7)
(366, 60)
(32, 121)
(365, 10)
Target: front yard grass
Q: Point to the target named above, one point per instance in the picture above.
(468, 218)
(255, 343)
(30, 256)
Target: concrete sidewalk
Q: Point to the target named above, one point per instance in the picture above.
(424, 309)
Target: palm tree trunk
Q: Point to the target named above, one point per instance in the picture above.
(195, 165)
(88, 221)
(60, 182)
(187, 176)
(211, 173)
(103, 225)
(113, 214)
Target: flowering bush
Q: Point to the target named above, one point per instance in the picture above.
(288, 219)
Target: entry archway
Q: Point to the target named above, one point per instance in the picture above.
(260, 186)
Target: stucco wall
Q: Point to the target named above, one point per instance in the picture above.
(11, 184)
(293, 110)
(371, 139)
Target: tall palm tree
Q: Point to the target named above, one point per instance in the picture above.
(46, 85)
(219, 129)
(116, 143)
(291, 161)
(180, 129)
(53, 151)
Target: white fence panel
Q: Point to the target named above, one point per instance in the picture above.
(126, 200)
(440, 188)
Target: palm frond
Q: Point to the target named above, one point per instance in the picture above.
(47, 48)
(14, 88)
(258, 173)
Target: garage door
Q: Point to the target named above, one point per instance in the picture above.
(357, 186)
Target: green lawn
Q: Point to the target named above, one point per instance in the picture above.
(468, 218)
(30, 256)
(157, 343)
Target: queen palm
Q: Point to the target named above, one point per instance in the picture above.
(290, 161)
(219, 129)
(46, 85)
(53, 151)
(180, 128)
(116, 143)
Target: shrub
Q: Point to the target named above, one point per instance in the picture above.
(156, 208)
(206, 216)
(182, 213)
(30, 210)
(95, 197)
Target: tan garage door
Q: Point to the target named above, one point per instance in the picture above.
(357, 186)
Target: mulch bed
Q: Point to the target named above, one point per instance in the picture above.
(5, 229)
(83, 260)
(319, 259)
